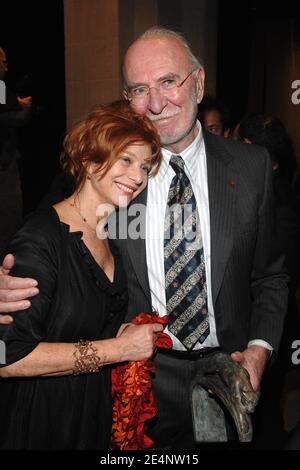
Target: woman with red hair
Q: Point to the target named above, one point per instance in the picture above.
(57, 390)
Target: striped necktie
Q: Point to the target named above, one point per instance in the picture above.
(186, 291)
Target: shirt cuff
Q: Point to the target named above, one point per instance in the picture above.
(262, 343)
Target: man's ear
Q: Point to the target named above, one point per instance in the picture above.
(200, 78)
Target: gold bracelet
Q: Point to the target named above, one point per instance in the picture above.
(86, 358)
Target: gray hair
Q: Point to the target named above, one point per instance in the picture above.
(157, 31)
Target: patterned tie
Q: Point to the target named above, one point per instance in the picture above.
(186, 292)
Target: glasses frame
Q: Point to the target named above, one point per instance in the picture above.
(129, 98)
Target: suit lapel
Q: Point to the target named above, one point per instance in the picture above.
(136, 248)
(222, 188)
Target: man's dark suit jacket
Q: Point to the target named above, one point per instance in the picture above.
(249, 283)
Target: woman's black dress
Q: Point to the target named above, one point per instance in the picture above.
(76, 301)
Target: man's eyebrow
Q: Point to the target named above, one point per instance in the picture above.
(169, 75)
(134, 85)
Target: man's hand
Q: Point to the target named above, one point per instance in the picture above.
(14, 291)
(254, 360)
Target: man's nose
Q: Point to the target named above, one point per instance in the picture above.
(157, 101)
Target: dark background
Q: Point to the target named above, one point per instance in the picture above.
(32, 34)
(236, 23)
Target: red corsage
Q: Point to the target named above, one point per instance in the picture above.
(133, 400)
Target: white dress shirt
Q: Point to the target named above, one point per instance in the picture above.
(158, 188)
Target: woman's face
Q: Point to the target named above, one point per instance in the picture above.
(127, 177)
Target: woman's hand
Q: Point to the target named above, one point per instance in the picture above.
(137, 342)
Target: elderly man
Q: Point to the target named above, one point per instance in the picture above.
(228, 290)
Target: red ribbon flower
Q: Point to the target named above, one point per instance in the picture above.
(133, 400)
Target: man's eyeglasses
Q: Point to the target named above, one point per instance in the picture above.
(168, 87)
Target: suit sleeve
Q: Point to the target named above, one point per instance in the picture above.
(268, 278)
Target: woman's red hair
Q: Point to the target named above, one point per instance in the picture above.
(103, 135)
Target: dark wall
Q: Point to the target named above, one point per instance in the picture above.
(32, 34)
(237, 33)
(233, 54)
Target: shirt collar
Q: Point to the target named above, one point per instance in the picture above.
(190, 155)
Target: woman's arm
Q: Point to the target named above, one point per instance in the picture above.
(136, 343)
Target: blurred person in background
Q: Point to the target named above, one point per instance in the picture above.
(14, 113)
(268, 131)
(214, 116)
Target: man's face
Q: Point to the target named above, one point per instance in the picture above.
(150, 62)
(3, 64)
(212, 122)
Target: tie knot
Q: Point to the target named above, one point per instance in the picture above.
(177, 163)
